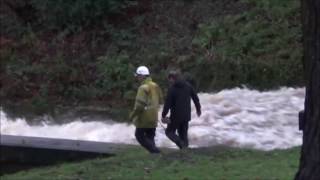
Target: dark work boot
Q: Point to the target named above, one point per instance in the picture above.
(183, 145)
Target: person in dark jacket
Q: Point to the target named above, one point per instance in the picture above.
(178, 101)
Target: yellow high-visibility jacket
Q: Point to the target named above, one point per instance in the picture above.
(147, 103)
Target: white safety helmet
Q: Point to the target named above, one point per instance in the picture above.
(142, 70)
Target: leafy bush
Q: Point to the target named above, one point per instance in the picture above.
(253, 48)
(115, 75)
(72, 15)
(60, 13)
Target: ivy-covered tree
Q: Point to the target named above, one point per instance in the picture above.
(310, 153)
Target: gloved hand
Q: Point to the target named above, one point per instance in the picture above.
(199, 113)
(131, 117)
(165, 120)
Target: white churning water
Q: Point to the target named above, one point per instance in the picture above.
(237, 118)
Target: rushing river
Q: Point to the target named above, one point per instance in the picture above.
(236, 117)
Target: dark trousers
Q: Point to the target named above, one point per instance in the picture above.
(180, 139)
(145, 136)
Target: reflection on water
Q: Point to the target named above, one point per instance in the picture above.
(236, 117)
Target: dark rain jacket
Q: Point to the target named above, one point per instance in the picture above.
(178, 101)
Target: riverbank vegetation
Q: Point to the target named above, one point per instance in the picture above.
(203, 163)
(85, 51)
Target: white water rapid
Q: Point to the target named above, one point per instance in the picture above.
(237, 118)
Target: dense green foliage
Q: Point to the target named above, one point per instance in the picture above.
(202, 163)
(259, 48)
(74, 15)
(17, 17)
(85, 50)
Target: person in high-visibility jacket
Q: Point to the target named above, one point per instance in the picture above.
(145, 111)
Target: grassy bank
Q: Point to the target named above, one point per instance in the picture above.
(203, 163)
(81, 56)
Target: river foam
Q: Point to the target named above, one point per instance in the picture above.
(237, 118)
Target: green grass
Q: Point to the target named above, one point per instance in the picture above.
(204, 163)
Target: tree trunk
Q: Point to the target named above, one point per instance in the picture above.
(310, 153)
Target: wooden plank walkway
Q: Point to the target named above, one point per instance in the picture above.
(23, 152)
(61, 144)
